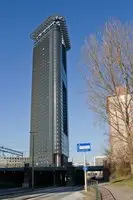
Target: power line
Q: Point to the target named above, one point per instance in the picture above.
(11, 151)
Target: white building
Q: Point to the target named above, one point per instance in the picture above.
(120, 115)
(99, 160)
(8, 162)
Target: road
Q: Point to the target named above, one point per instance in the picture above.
(62, 193)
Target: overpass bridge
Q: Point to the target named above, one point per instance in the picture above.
(47, 176)
(21, 169)
(91, 168)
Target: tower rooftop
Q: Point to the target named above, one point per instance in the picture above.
(55, 19)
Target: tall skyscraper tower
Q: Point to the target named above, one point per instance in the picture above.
(49, 115)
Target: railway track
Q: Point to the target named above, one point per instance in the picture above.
(106, 194)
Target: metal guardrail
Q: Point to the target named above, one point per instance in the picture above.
(94, 184)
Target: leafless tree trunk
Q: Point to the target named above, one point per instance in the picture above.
(108, 61)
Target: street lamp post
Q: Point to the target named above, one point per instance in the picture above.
(33, 161)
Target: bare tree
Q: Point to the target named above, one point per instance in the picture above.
(108, 59)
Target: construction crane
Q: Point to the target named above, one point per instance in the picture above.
(11, 151)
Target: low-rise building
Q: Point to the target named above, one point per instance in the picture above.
(99, 160)
(7, 162)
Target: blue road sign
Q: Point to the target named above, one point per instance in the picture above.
(85, 168)
(83, 147)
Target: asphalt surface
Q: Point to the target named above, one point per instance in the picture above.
(62, 193)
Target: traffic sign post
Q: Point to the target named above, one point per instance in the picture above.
(85, 173)
(84, 147)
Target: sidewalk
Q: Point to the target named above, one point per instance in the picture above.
(121, 192)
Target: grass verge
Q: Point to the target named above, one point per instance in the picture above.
(123, 181)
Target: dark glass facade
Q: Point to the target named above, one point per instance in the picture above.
(49, 115)
(65, 118)
(64, 57)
